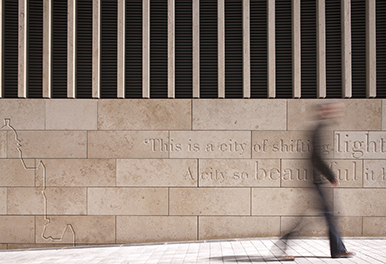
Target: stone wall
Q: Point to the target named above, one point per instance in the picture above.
(131, 171)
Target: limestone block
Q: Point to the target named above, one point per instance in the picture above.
(25, 201)
(350, 226)
(155, 114)
(239, 114)
(13, 173)
(359, 114)
(360, 144)
(287, 201)
(49, 144)
(71, 114)
(77, 172)
(374, 173)
(127, 201)
(383, 114)
(238, 227)
(66, 201)
(288, 144)
(24, 113)
(348, 172)
(360, 202)
(311, 226)
(374, 226)
(314, 226)
(3, 246)
(3, 200)
(3, 144)
(146, 229)
(37, 246)
(210, 144)
(209, 201)
(17, 229)
(59, 201)
(299, 173)
(128, 144)
(88, 229)
(239, 172)
(156, 172)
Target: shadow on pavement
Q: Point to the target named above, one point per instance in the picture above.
(248, 259)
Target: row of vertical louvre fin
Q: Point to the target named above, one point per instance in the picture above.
(59, 47)
(35, 49)
(208, 49)
(381, 48)
(183, 48)
(158, 48)
(133, 60)
(10, 48)
(108, 70)
(84, 49)
(183, 38)
(258, 45)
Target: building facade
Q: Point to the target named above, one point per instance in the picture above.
(131, 121)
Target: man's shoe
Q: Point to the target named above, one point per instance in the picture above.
(287, 258)
(344, 255)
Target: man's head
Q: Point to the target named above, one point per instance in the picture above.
(330, 110)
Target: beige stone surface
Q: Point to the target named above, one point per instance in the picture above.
(128, 144)
(154, 114)
(13, 173)
(77, 172)
(374, 226)
(3, 144)
(71, 114)
(59, 201)
(299, 173)
(157, 172)
(127, 201)
(374, 173)
(238, 227)
(360, 144)
(49, 144)
(24, 114)
(239, 172)
(359, 114)
(88, 229)
(209, 201)
(350, 226)
(17, 229)
(348, 172)
(66, 201)
(307, 226)
(288, 144)
(360, 202)
(311, 226)
(211, 144)
(383, 114)
(26, 201)
(140, 229)
(38, 246)
(296, 173)
(287, 201)
(239, 114)
(3, 200)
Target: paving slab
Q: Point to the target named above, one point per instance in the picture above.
(255, 250)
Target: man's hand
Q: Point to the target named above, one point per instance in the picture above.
(335, 183)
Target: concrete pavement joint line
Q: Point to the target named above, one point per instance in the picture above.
(7, 125)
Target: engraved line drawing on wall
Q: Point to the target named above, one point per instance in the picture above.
(7, 125)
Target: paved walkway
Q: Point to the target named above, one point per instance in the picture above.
(223, 251)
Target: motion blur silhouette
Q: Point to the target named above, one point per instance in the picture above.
(326, 114)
